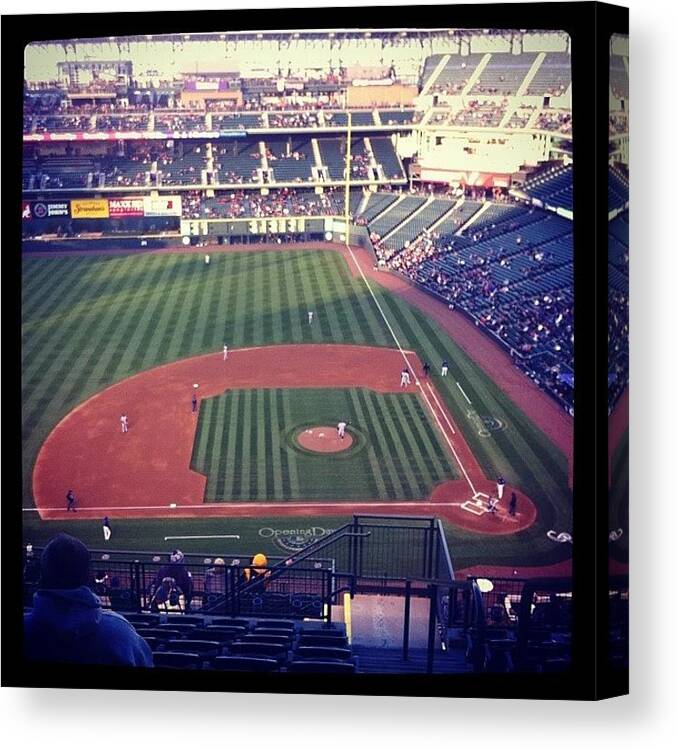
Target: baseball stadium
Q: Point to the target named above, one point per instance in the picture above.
(297, 342)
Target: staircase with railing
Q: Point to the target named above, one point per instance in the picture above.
(383, 585)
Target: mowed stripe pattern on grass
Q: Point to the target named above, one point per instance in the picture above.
(91, 321)
(88, 322)
(244, 445)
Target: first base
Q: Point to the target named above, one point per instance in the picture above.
(196, 385)
(173, 505)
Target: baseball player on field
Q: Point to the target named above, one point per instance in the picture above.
(225, 352)
(310, 317)
(501, 482)
(405, 378)
(443, 369)
(207, 259)
(70, 499)
(123, 422)
(341, 429)
(492, 505)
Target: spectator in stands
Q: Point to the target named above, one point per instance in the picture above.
(258, 572)
(173, 581)
(68, 624)
(215, 578)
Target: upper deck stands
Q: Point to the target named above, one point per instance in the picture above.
(455, 75)
(553, 75)
(619, 77)
(503, 74)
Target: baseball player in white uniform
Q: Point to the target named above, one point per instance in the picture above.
(341, 429)
(225, 352)
(501, 482)
(310, 317)
(443, 369)
(207, 259)
(492, 505)
(405, 378)
(123, 422)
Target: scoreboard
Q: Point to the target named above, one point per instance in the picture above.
(267, 226)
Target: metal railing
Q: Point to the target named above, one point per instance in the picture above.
(528, 622)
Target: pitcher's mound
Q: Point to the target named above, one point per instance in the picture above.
(323, 439)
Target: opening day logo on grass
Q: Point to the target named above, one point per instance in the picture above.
(294, 540)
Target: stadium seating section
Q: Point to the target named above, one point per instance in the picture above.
(290, 158)
(237, 161)
(481, 257)
(503, 74)
(552, 76)
(518, 625)
(552, 187)
(617, 188)
(510, 270)
(618, 306)
(619, 77)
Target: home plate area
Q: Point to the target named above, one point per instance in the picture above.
(474, 511)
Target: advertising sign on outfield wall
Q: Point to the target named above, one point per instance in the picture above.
(43, 209)
(121, 207)
(166, 205)
(89, 208)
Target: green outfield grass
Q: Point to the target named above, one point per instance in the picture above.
(245, 445)
(88, 322)
(466, 549)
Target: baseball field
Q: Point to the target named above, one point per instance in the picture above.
(134, 333)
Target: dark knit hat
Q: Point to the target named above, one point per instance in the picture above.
(64, 563)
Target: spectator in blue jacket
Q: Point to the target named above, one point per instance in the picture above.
(68, 624)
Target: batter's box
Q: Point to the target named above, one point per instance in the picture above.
(477, 506)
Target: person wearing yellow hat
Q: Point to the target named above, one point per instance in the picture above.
(258, 569)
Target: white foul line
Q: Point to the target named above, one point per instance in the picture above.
(209, 536)
(416, 379)
(463, 392)
(442, 411)
(247, 506)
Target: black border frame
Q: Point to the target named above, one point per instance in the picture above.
(590, 26)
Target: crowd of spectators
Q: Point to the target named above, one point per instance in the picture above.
(448, 89)
(301, 119)
(180, 122)
(278, 203)
(360, 164)
(117, 122)
(183, 165)
(617, 343)
(60, 123)
(520, 118)
(529, 308)
(132, 169)
(480, 114)
(556, 120)
(619, 123)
